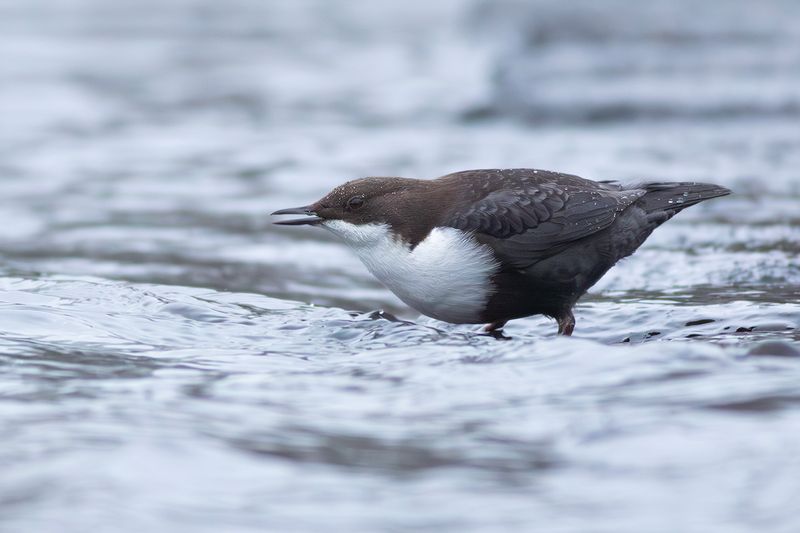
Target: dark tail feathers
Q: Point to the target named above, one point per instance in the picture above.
(669, 198)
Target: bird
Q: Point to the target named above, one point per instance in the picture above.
(493, 245)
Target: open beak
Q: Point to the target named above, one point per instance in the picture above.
(311, 220)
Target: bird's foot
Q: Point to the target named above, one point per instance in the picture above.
(566, 324)
(380, 314)
(495, 330)
(494, 326)
(498, 335)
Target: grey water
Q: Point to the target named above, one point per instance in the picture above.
(170, 361)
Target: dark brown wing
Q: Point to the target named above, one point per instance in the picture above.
(527, 215)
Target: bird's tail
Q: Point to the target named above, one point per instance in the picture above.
(669, 198)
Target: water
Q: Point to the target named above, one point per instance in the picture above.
(169, 361)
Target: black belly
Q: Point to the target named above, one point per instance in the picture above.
(553, 285)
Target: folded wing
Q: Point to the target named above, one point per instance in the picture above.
(529, 215)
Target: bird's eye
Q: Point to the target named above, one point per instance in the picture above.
(355, 202)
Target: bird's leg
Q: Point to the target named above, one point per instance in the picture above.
(566, 323)
(494, 326)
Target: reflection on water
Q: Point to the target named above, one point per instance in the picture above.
(170, 361)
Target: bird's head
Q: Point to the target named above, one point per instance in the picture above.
(354, 210)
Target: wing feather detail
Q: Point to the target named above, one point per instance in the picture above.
(526, 215)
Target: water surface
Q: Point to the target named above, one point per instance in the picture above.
(170, 361)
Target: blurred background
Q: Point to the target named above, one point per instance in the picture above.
(170, 361)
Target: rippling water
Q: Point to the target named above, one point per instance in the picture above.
(169, 361)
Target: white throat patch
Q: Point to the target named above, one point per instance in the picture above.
(446, 276)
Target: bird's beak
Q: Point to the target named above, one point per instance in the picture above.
(312, 219)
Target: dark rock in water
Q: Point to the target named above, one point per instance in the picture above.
(775, 348)
(700, 322)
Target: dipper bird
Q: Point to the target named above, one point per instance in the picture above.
(489, 246)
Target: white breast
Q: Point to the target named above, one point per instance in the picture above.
(446, 276)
